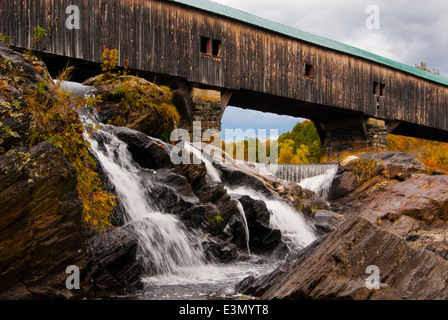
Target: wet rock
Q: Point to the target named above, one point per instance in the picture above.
(238, 178)
(219, 250)
(113, 259)
(334, 267)
(41, 233)
(263, 238)
(327, 221)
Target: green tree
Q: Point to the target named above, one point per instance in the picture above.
(305, 146)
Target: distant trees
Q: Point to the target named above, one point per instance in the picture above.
(301, 145)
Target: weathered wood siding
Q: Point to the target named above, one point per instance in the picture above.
(164, 37)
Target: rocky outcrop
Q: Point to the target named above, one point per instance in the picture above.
(336, 267)
(135, 103)
(40, 230)
(357, 170)
(393, 191)
(113, 260)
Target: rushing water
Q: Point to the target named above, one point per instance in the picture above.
(315, 177)
(296, 230)
(172, 255)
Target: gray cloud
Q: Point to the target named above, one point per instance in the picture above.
(411, 31)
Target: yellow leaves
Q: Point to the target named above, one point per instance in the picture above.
(433, 154)
(55, 121)
(287, 154)
(109, 60)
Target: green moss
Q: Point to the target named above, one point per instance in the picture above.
(363, 169)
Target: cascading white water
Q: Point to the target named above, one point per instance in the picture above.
(320, 184)
(314, 177)
(246, 226)
(173, 254)
(296, 231)
(165, 244)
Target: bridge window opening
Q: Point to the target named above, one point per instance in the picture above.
(376, 88)
(379, 89)
(382, 89)
(308, 71)
(216, 48)
(206, 46)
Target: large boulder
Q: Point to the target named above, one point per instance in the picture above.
(262, 237)
(113, 261)
(336, 266)
(392, 191)
(354, 171)
(41, 233)
(135, 103)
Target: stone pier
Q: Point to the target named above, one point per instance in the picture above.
(207, 108)
(354, 134)
(204, 106)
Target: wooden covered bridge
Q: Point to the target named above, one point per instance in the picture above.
(217, 55)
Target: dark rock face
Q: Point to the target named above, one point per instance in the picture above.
(113, 261)
(334, 267)
(41, 233)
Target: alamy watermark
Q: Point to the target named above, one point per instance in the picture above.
(73, 21)
(209, 144)
(373, 280)
(72, 281)
(373, 18)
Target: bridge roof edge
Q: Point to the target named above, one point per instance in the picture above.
(242, 16)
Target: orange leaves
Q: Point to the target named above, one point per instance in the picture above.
(55, 121)
(109, 60)
(433, 154)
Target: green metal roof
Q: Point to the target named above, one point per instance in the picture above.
(242, 16)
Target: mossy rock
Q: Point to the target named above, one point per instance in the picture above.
(135, 103)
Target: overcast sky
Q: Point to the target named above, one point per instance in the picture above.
(409, 32)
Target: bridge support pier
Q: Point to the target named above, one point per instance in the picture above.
(353, 134)
(207, 108)
(204, 106)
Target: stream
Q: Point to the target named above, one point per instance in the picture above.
(172, 256)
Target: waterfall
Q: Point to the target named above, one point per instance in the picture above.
(246, 226)
(321, 183)
(171, 254)
(296, 231)
(165, 245)
(314, 177)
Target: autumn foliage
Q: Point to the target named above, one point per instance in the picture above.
(54, 120)
(432, 153)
